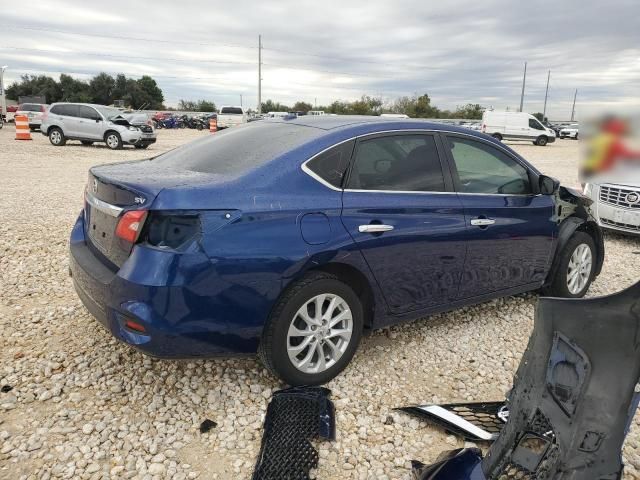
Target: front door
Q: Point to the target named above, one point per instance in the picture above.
(511, 228)
(89, 123)
(400, 209)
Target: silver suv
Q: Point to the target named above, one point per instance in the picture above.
(93, 123)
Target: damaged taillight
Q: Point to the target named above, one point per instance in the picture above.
(169, 230)
(130, 225)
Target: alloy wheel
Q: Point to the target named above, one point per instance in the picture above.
(112, 141)
(579, 269)
(319, 333)
(56, 137)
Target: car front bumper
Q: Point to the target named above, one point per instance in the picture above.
(615, 217)
(182, 318)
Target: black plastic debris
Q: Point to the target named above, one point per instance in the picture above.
(476, 422)
(295, 417)
(207, 425)
(6, 388)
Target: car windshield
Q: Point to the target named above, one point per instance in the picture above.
(108, 112)
(238, 149)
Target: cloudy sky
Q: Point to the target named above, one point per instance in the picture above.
(456, 51)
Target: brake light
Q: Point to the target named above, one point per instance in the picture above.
(130, 225)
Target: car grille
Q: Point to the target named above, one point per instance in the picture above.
(618, 196)
(626, 226)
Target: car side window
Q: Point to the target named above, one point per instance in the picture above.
(407, 163)
(533, 123)
(65, 110)
(483, 168)
(88, 112)
(332, 164)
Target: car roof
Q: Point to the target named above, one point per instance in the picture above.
(340, 122)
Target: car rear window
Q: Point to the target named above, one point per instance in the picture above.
(238, 149)
(235, 110)
(30, 107)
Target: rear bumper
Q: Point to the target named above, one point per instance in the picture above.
(182, 319)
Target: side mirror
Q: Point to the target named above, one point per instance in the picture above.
(548, 185)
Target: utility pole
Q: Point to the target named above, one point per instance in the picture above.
(573, 109)
(524, 80)
(240, 100)
(546, 94)
(3, 99)
(259, 74)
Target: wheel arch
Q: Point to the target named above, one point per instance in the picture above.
(51, 127)
(358, 281)
(106, 133)
(567, 228)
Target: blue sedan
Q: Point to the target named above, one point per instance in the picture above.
(291, 237)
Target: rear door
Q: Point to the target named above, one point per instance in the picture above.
(510, 226)
(400, 209)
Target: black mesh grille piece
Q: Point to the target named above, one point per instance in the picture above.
(295, 416)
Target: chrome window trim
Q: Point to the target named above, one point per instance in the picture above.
(319, 179)
(104, 207)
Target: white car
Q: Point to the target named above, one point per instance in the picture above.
(33, 112)
(516, 126)
(616, 202)
(230, 116)
(570, 131)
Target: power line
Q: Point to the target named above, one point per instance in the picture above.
(122, 37)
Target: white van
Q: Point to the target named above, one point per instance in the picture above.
(278, 114)
(394, 115)
(516, 126)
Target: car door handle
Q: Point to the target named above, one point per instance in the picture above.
(482, 222)
(375, 228)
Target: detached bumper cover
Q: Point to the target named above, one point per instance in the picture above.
(573, 398)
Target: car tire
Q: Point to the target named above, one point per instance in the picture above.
(279, 347)
(561, 283)
(113, 140)
(541, 141)
(142, 147)
(86, 142)
(198, 127)
(56, 137)
(497, 136)
(576, 136)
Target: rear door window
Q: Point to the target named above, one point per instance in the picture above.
(30, 107)
(331, 165)
(65, 110)
(408, 163)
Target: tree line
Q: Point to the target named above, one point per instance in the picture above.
(103, 89)
(145, 93)
(414, 106)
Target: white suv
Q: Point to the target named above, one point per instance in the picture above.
(92, 123)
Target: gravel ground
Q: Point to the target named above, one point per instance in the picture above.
(84, 406)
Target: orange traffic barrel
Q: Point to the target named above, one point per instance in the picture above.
(213, 125)
(22, 127)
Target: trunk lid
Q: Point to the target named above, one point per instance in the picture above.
(114, 189)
